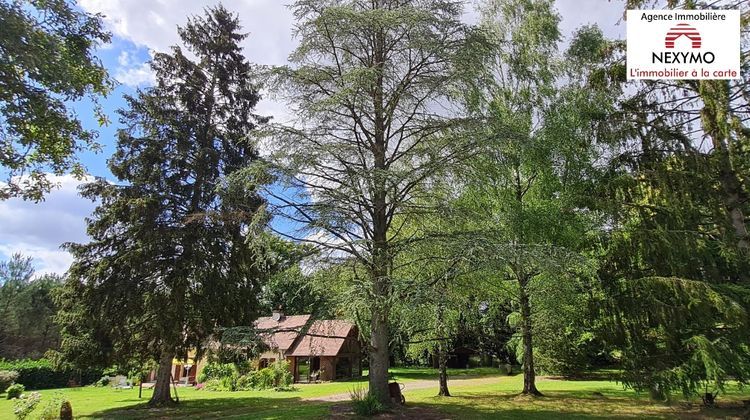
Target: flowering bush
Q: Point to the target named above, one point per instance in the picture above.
(25, 405)
(7, 378)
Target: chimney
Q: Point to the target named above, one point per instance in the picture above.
(277, 314)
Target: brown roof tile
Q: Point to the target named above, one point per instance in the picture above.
(281, 334)
(323, 338)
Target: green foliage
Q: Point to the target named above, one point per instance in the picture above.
(264, 378)
(28, 309)
(678, 334)
(225, 377)
(246, 382)
(214, 385)
(183, 261)
(282, 375)
(368, 81)
(216, 371)
(44, 374)
(22, 407)
(364, 403)
(17, 270)
(239, 345)
(47, 62)
(14, 391)
(276, 376)
(566, 326)
(103, 381)
(521, 210)
(52, 409)
(7, 378)
(229, 383)
(298, 293)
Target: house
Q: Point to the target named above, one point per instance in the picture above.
(323, 350)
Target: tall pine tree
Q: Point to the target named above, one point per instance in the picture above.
(169, 260)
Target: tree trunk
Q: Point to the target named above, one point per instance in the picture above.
(442, 352)
(443, 362)
(529, 376)
(162, 390)
(381, 258)
(378, 378)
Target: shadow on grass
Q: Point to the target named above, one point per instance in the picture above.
(571, 405)
(215, 408)
(588, 376)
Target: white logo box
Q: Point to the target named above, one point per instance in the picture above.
(683, 44)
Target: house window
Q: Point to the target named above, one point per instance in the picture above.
(303, 369)
(307, 368)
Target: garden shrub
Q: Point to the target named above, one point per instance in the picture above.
(264, 378)
(53, 408)
(7, 378)
(24, 406)
(216, 371)
(42, 374)
(104, 381)
(214, 385)
(282, 376)
(230, 382)
(245, 382)
(364, 403)
(243, 368)
(277, 376)
(14, 391)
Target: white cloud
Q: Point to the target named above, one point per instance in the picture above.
(132, 71)
(606, 14)
(154, 24)
(135, 76)
(270, 22)
(123, 59)
(38, 229)
(46, 261)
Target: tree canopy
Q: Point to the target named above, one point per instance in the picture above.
(493, 188)
(47, 62)
(172, 255)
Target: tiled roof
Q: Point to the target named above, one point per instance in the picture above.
(323, 338)
(281, 334)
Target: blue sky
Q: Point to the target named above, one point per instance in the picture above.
(141, 27)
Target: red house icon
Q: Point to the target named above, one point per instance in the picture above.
(682, 29)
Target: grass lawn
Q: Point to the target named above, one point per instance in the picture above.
(484, 395)
(568, 399)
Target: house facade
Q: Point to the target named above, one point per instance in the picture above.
(324, 350)
(317, 350)
(184, 372)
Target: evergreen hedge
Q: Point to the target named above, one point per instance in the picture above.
(42, 374)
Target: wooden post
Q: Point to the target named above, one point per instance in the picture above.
(174, 385)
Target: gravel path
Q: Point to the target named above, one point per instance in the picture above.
(421, 384)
